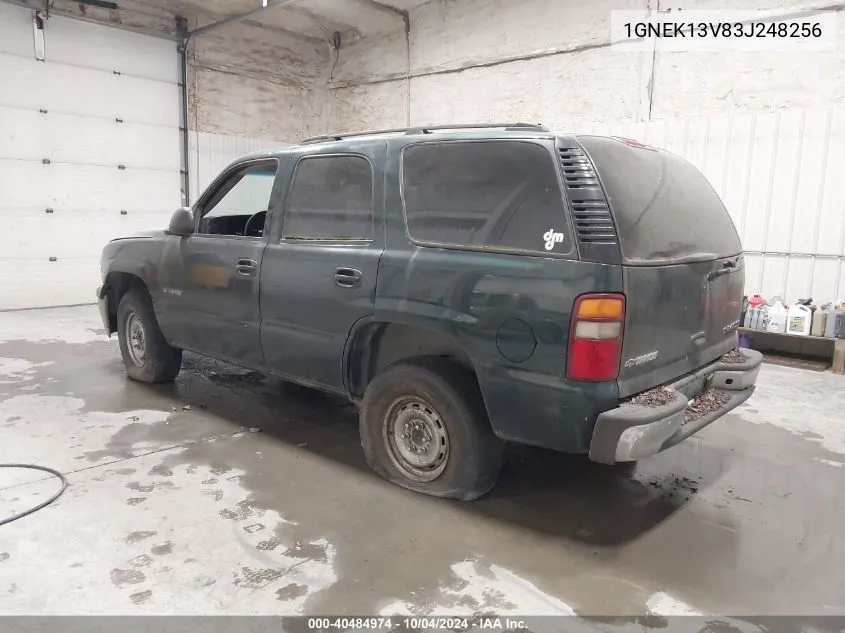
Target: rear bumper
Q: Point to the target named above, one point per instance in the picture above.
(630, 431)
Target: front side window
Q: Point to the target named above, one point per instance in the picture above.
(496, 194)
(240, 205)
(331, 198)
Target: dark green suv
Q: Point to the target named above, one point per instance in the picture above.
(464, 285)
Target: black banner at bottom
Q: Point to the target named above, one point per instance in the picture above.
(422, 624)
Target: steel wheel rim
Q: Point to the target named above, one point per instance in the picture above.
(136, 340)
(416, 439)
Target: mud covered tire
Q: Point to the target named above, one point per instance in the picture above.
(147, 356)
(444, 397)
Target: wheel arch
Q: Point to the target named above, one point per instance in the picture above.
(117, 283)
(374, 345)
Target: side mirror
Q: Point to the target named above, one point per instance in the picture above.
(182, 222)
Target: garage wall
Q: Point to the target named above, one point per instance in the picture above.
(765, 127)
(251, 88)
(89, 150)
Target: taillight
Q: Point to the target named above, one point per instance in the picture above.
(595, 337)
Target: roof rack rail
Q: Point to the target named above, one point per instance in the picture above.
(428, 129)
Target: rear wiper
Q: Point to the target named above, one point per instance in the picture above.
(727, 269)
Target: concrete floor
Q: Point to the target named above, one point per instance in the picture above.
(176, 507)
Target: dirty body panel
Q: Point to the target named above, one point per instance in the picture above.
(681, 260)
(498, 291)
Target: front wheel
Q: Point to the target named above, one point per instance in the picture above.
(147, 356)
(424, 427)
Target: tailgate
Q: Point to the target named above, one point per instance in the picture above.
(681, 260)
(678, 318)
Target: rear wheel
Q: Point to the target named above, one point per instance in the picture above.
(147, 356)
(424, 427)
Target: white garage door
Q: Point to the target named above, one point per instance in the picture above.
(89, 150)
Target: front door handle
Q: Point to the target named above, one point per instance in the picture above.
(246, 267)
(348, 277)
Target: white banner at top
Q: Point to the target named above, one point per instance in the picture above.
(724, 30)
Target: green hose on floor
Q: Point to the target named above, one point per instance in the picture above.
(44, 504)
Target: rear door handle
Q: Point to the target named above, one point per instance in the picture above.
(246, 267)
(348, 277)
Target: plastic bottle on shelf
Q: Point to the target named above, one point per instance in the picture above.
(777, 316)
(763, 317)
(754, 312)
(840, 319)
(830, 322)
(752, 318)
(756, 301)
(820, 320)
(799, 319)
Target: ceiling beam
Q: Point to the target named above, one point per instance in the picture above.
(239, 17)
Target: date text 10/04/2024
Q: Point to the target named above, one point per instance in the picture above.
(424, 623)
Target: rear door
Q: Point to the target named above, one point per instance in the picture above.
(682, 262)
(318, 274)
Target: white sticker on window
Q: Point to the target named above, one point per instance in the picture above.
(551, 237)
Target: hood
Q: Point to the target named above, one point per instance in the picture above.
(140, 233)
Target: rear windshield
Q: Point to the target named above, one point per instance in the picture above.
(664, 208)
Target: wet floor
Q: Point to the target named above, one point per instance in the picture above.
(230, 492)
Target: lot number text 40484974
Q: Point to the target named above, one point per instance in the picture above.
(418, 623)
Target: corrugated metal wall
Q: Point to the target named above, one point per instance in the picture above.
(782, 177)
(211, 153)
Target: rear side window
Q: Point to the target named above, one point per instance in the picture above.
(495, 194)
(663, 206)
(331, 198)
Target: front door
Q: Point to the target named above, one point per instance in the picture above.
(318, 276)
(217, 302)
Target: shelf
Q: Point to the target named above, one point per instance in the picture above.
(808, 337)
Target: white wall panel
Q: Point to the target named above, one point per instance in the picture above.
(84, 91)
(74, 235)
(92, 46)
(238, 105)
(832, 212)
(63, 282)
(780, 176)
(447, 33)
(211, 153)
(63, 138)
(62, 186)
(17, 31)
(63, 148)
